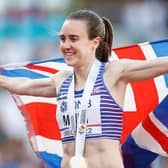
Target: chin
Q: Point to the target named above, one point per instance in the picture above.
(69, 62)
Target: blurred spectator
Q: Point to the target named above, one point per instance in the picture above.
(14, 50)
(13, 155)
(3, 136)
(139, 17)
(46, 49)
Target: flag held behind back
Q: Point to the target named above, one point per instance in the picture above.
(40, 113)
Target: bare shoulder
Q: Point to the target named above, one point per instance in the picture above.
(114, 67)
(115, 70)
(59, 77)
(118, 66)
(62, 74)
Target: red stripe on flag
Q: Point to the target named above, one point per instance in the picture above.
(130, 52)
(42, 68)
(42, 118)
(161, 138)
(145, 92)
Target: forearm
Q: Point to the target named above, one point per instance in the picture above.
(15, 85)
(26, 86)
(144, 70)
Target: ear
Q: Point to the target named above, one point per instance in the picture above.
(96, 42)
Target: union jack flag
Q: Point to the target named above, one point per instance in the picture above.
(141, 117)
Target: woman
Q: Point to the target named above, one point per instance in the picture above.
(95, 114)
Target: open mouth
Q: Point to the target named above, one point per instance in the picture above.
(68, 54)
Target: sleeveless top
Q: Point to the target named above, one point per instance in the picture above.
(104, 114)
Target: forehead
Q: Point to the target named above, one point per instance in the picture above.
(74, 27)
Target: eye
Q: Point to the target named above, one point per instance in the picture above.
(62, 38)
(74, 38)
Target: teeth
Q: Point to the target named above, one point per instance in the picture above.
(69, 54)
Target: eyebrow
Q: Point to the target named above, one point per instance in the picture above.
(71, 35)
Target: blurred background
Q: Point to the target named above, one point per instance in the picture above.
(28, 31)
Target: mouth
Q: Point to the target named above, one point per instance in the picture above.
(68, 55)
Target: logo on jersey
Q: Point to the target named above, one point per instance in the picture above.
(82, 129)
(63, 107)
(95, 90)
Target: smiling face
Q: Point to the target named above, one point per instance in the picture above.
(75, 44)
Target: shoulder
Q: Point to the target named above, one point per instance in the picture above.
(59, 77)
(62, 74)
(114, 67)
(118, 66)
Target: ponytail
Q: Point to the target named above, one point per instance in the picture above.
(103, 52)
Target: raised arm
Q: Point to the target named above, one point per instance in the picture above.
(24, 86)
(133, 70)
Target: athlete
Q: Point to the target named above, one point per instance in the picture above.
(90, 99)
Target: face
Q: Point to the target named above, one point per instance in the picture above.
(75, 45)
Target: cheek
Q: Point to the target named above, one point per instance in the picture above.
(61, 48)
(87, 49)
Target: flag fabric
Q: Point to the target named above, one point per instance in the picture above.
(148, 140)
(141, 99)
(40, 113)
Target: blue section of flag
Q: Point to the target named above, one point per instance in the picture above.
(160, 47)
(134, 156)
(161, 112)
(22, 73)
(53, 160)
(58, 60)
(161, 50)
(166, 79)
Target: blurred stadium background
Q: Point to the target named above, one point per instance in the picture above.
(28, 31)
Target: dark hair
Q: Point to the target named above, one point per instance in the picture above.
(97, 27)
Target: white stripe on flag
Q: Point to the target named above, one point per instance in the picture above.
(56, 65)
(33, 99)
(42, 144)
(158, 124)
(162, 90)
(129, 101)
(149, 53)
(145, 141)
(114, 56)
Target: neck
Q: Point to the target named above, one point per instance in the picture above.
(81, 74)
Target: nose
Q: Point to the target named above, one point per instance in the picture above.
(66, 44)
